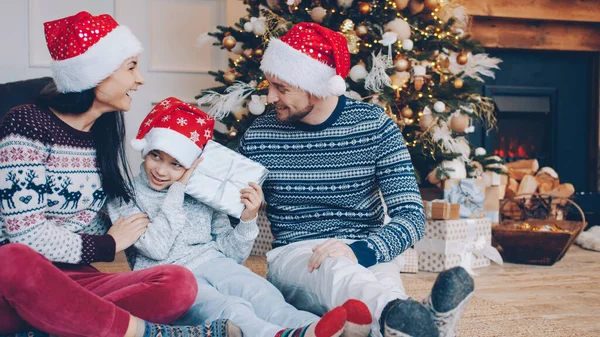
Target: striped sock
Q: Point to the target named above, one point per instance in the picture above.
(330, 325)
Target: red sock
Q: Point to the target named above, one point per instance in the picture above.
(332, 323)
(358, 320)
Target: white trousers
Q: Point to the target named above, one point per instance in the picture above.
(337, 280)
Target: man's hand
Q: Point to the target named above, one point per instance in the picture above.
(329, 248)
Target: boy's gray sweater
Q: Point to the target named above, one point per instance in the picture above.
(183, 230)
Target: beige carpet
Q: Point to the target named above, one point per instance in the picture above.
(481, 318)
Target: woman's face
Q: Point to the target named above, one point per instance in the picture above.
(113, 92)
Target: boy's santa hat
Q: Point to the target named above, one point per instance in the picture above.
(87, 49)
(310, 57)
(177, 128)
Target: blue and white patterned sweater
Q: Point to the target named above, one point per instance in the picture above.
(325, 179)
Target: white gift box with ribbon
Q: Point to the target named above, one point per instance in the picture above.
(221, 175)
(451, 243)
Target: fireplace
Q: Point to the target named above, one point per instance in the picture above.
(526, 123)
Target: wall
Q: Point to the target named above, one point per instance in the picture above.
(171, 63)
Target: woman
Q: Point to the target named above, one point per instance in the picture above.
(60, 159)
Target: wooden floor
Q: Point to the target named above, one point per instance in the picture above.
(568, 292)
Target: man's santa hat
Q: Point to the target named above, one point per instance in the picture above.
(87, 49)
(310, 57)
(177, 128)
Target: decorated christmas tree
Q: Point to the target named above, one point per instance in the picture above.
(412, 57)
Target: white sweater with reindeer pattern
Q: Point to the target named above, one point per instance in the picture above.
(50, 188)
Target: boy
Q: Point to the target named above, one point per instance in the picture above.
(184, 231)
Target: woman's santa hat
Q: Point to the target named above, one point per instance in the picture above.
(87, 49)
(177, 128)
(310, 57)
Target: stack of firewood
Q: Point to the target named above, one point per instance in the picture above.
(526, 177)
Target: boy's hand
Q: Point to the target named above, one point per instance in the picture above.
(251, 198)
(188, 173)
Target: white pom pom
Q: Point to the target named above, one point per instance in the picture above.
(248, 27)
(407, 44)
(480, 151)
(439, 106)
(337, 85)
(139, 144)
(257, 106)
(358, 72)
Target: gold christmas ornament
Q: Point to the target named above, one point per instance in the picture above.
(459, 123)
(229, 77)
(361, 30)
(462, 58)
(431, 4)
(317, 14)
(458, 83)
(426, 121)
(416, 6)
(406, 112)
(401, 4)
(263, 85)
(443, 63)
(364, 7)
(347, 30)
(258, 53)
(401, 64)
(419, 81)
(399, 79)
(229, 42)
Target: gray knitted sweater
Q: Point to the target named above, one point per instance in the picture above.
(182, 231)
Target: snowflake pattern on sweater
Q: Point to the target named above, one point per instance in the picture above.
(325, 180)
(50, 188)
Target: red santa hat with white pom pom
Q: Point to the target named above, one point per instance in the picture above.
(177, 128)
(310, 57)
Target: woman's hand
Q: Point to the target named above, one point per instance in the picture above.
(251, 198)
(188, 173)
(125, 232)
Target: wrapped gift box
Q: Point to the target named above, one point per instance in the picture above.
(450, 243)
(441, 210)
(468, 193)
(408, 261)
(491, 206)
(221, 175)
(495, 179)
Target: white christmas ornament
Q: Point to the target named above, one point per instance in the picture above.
(257, 105)
(426, 111)
(237, 49)
(400, 27)
(358, 72)
(345, 3)
(419, 70)
(258, 26)
(439, 107)
(317, 14)
(248, 27)
(388, 38)
(480, 152)
(353, 94)
(407, 44)
(455, 169)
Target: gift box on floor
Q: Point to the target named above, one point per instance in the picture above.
(491, 205)
(441, 210)
(468, 193)
(450, 243)
(220, 176)
(408, 261)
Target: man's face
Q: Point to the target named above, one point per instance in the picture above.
(292, 104)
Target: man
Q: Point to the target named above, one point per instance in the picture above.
(329, 158)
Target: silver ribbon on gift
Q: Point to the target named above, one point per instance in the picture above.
(221, 175)
(467, 248)
(469, 195)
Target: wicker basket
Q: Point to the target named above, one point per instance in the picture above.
(517, 244)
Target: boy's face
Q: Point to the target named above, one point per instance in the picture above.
(162, 170)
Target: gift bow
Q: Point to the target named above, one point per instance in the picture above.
(478, 247)
(469, 195)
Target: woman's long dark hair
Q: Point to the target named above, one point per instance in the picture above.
(108, 132)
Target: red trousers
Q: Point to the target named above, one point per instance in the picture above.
(78, 300)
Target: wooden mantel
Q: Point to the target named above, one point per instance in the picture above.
(536, 24)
